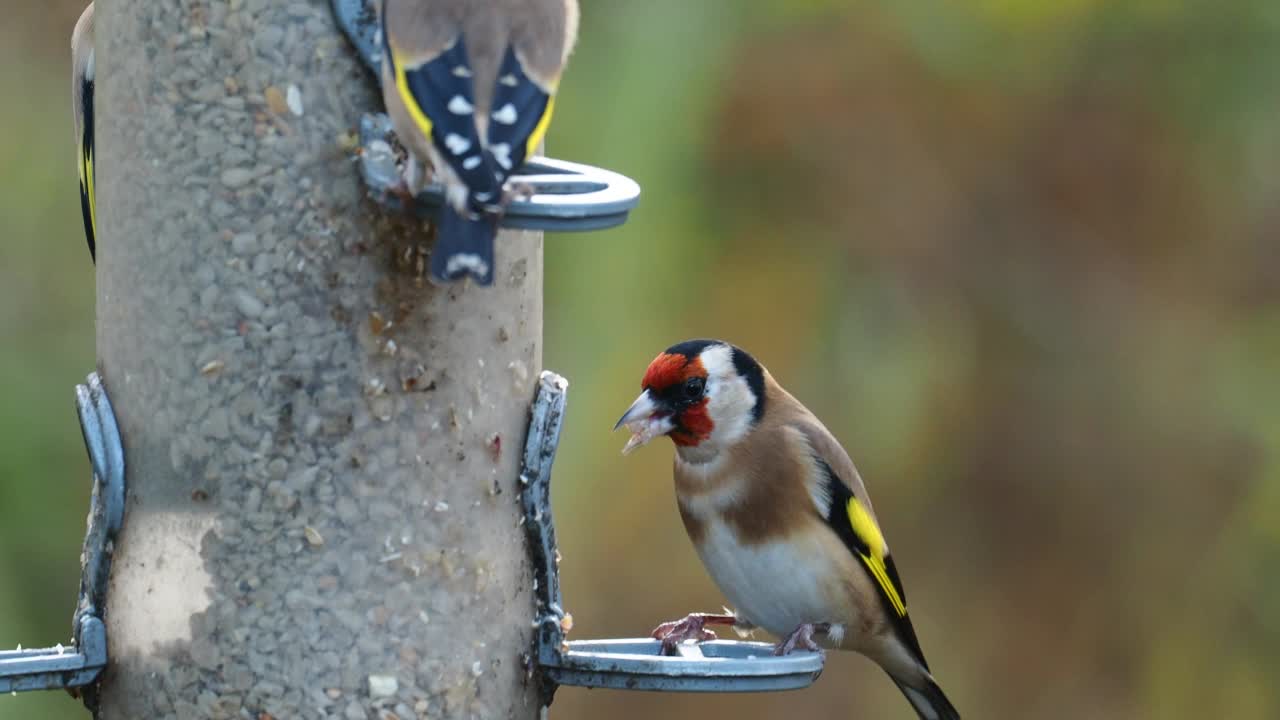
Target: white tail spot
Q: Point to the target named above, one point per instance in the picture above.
(506, 114)
(459, 106)
(502, 154)
(466, 261)
(456, 143)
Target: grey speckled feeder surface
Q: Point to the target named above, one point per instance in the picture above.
(624, 664)
(716, 666)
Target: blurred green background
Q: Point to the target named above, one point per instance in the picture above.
(1023, 258)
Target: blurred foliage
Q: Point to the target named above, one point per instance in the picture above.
(1022, 258)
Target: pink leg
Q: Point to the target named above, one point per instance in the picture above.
(516, 191)
(802, 637)
(692, 627)
(410, 184)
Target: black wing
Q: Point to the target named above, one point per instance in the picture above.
(519, 117)
(87, 200)
(853, 524)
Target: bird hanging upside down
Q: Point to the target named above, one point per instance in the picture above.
(470, 88)
(778, 515)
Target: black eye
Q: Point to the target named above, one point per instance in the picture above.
(693, 387)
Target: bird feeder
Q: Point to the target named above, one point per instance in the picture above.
(565, 197)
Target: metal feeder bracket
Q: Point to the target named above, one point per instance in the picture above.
(623, 664)
(565, 197)
(80, 664)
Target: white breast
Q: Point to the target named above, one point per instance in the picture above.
(776, 585)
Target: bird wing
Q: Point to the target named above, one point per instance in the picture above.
(521, 113)
(82, 81)
(524, 99)
(850, 516)
(433, 79)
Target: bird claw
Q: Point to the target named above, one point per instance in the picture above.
(516, 190)
(691, 627)
(411, 181)
(801, 637)
(401, 190)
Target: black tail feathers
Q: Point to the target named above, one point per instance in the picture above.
(86, 211)
(929, 700)
(464, 246)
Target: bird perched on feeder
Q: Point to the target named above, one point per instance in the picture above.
(470, 87)
(778, 515)
(82, 75)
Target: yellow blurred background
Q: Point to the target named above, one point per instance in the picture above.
(1023, 258)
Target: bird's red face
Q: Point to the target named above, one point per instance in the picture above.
(674, 401)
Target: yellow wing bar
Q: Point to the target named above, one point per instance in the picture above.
(865, 528)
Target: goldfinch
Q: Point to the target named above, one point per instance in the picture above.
(470, 87)
(778, 515)
(82, 74)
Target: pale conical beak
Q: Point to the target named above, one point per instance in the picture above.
(645, 420)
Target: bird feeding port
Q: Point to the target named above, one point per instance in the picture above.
(81, 663)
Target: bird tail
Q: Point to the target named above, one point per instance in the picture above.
(464, 246)
(928, 699)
